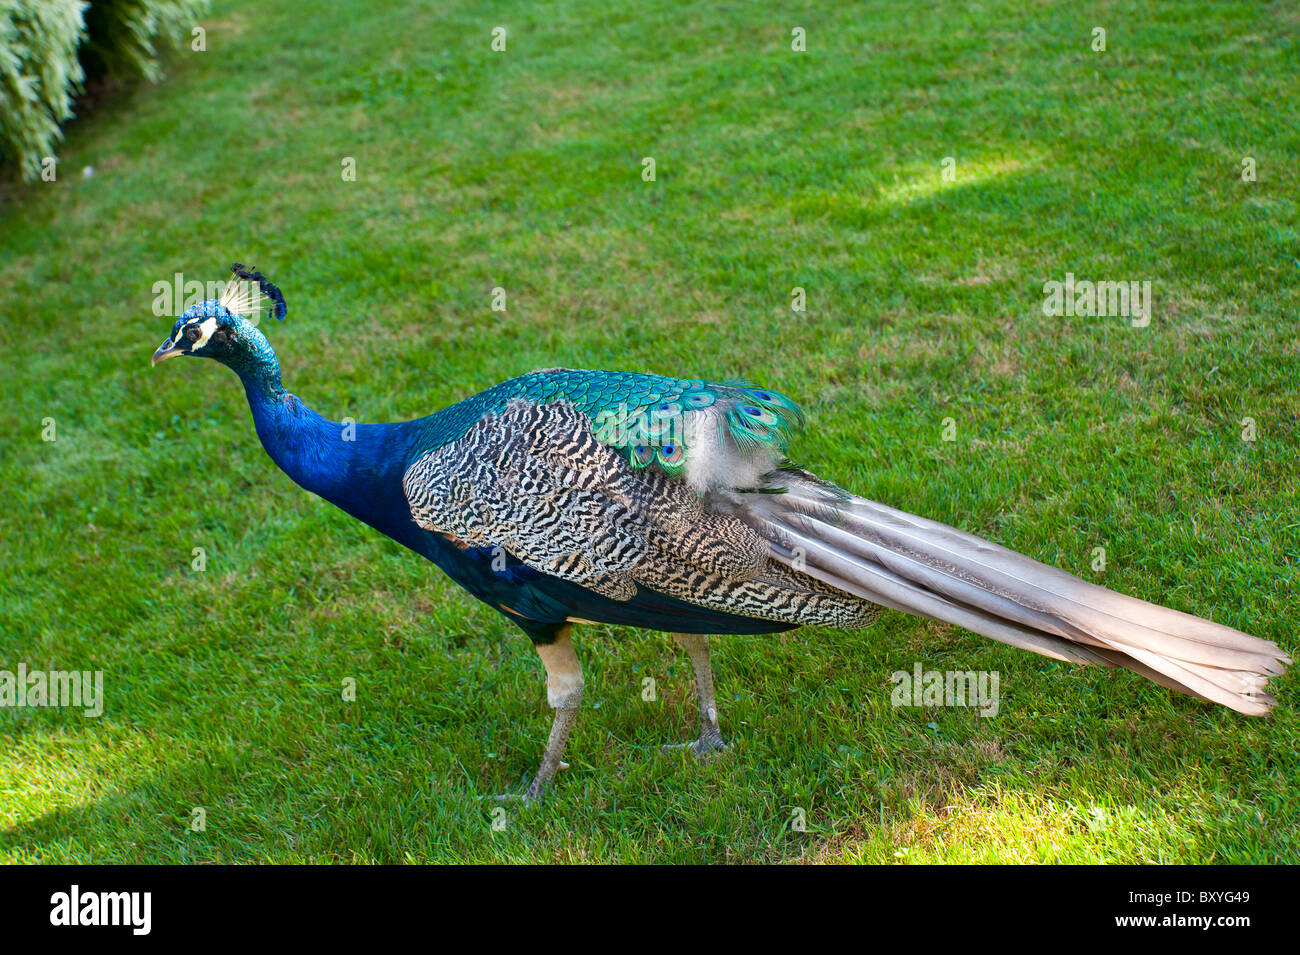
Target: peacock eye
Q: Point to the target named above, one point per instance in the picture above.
(192, 333)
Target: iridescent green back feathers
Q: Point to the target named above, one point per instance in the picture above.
(671, 425)
(660, 434)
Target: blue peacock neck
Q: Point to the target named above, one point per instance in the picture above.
(353, 466)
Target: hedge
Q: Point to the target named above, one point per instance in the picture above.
(48, 47)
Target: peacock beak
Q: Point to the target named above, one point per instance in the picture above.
(166, 350)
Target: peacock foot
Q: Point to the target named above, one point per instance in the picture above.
(533, 794)
(708, 745)
(529, 797)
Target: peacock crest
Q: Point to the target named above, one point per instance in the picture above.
(248, 292)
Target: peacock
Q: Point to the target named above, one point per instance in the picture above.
(567, 496)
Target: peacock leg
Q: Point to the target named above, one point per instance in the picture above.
(564, 693)
(697, 648)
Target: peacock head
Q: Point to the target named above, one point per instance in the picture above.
(225, 328)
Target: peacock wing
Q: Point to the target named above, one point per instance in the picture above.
(536, 481)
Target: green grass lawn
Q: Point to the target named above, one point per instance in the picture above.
(775, 169)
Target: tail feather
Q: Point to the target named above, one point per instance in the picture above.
(881, 586)
(926, 568)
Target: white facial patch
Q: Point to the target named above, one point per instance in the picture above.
(206, 327)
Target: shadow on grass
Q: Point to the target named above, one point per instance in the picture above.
(1082, 766)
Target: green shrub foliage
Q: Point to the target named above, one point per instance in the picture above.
(39, 75)
(123, 36)
(47, 48)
